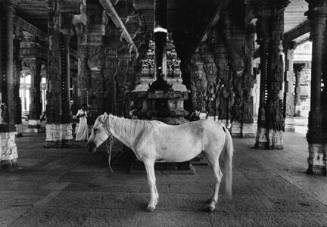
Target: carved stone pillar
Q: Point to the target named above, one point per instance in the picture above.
(95, 60)
(95, 84)
(263, 41)
(82, 74)
(10, 64)
(58, 127)
(17, 72)
(297, 90)
(317, 129)
(210, 70)
(275, 118)
(289, 96)
(8, 148)
(65, 70)
(1, 57)
(80, 22)
(34, 65)
(198, 83)
(224, 93)
(271, 119)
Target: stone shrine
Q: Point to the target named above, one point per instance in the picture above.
(160, 102)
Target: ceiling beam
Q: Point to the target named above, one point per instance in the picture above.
(112, 13)
(306, 39)
(28, 27)
(296, 32)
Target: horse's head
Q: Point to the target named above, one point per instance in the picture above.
(99, 133)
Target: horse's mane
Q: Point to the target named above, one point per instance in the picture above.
(128, 127)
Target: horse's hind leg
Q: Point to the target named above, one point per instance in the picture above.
(149, 166)
(214, 162)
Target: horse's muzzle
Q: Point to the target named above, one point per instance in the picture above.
(91, 147)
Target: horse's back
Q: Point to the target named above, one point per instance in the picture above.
(183, 142)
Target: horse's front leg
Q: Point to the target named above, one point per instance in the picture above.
(154, 196)
(109, 144)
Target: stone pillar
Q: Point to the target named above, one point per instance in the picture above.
(1, 53)
(82, 74)
(35, 93)
(263, 41)
(224, 93)
(297, 102)
(58, 127)
(17, 73)
(96, 31)
(275, 118)
(80, 25)
(198, 83)
(271, 119)
(317, 15)
(289, 96)
(247, 123)
(8, 148)
(66, 67)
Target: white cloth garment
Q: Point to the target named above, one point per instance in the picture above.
(82, 132)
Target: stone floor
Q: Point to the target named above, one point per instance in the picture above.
(71, 187)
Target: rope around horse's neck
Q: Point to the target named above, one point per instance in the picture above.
(106, 126)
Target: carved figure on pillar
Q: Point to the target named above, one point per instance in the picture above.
(198, 83)
(210, 70)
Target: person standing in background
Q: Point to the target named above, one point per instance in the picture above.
(82, 132)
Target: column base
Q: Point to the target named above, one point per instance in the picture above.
(275, 139)
(8, 148)
(248, 130)
(289, 124)
(58, 134)
(60, 144)
(236, 129)
(261, 139)
(9, 164)
(317, 160)
(19, 130)
(34, 125)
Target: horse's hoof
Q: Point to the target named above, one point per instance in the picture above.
(150, 208)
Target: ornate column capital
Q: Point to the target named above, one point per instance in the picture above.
(317, 8)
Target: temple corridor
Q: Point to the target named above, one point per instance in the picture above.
(71, 187)
(258, 67)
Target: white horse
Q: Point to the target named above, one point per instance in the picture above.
(153, 141)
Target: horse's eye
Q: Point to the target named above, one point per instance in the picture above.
(95, 130)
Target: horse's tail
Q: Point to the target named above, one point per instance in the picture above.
(228, 163)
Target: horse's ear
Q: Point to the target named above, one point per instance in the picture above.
(104, 117)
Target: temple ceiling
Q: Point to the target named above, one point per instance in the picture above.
(187, 19)
(36, 11)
